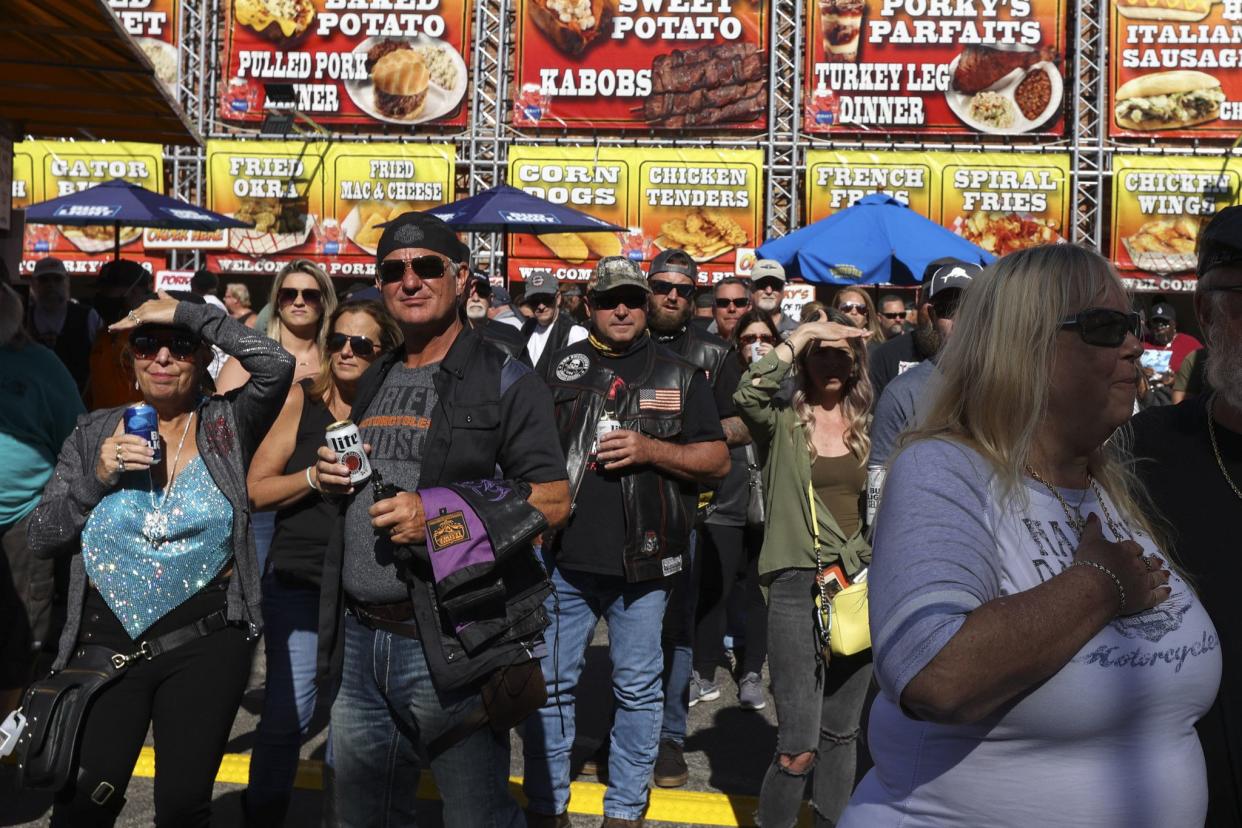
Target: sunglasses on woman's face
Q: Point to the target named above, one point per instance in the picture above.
(743, 302)
(430, 266)
(310, 296)
(662, 288)
(148, 345)
(751, 339)
(852, 307)
(1105, 327)
(359, 345)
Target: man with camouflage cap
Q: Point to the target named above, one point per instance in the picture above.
(641, 433)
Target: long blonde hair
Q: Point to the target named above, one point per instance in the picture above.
(873, 318)
(275, 327)
(856, 396)
(997, 367)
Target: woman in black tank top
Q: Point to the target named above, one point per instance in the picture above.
(282, 478)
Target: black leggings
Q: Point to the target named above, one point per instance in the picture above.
(729, 556)
(190, 694)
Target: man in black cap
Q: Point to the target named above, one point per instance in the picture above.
(572, 303)
(942, 283)
(641, 434)
(1190, 458)
(60, 322)
(547, 330)
(430, 590)
(476, 305)
(123, 285)
(1164, 348)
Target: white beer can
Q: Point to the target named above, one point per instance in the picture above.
(345, 439)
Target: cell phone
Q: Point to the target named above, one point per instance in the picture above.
(833, 579)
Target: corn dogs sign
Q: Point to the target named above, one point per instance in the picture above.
(935, 66)
(706, 202)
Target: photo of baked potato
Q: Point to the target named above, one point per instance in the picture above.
(284, 22)
(572, 25)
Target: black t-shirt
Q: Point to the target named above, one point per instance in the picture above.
(1185, 481)
(889, 359)
(728, 507)
(594, 540)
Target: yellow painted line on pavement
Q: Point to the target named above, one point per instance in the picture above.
(686, 807)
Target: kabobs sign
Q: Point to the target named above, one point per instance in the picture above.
(642, 64)
(936, 66)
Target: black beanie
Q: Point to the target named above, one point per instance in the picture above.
(420, 230)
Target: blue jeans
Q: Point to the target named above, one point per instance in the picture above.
(634, 613)
(678, 644)
(291, 638)
(385, 709)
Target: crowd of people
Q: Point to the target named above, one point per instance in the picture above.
(1043, 534)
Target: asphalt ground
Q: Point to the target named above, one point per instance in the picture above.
(727, 751)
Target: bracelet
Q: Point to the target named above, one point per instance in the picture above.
(310, 482)
(1121, 591)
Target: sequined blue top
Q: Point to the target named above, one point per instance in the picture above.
(146, 561)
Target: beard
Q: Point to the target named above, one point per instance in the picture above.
(770, 304)
(1224, 364)
(476, 311)
(10, 315)
(927, 339)
(663, 321)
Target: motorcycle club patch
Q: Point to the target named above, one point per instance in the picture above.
(572, 367)
(447, 530)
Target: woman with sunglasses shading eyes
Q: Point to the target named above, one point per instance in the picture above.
(814, 480)
(1039, 663)
(858, 307)
(163, 569)
(283, 477)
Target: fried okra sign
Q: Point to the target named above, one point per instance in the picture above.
(949, 67)
(642, 64)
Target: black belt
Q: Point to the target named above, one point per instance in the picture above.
(397, 618)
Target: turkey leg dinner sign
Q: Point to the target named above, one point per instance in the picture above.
(935, 66)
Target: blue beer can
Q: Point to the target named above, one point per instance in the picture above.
(141, 419)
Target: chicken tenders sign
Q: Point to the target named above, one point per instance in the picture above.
(642, 64)
(935, 66)
(706, 202)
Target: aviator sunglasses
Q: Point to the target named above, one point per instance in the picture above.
(359, 345)
(182, 346)
(424, 267)
(311, 296)
(1105, 327)
(751, 339)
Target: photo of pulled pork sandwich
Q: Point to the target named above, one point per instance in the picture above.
(1168, 100)
(400, 79)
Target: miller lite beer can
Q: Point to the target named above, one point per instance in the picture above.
(142, 420)
(345, 439)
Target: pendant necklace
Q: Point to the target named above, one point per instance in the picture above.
(155, 522)
(1074, 517)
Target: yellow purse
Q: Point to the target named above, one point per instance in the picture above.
(841, 607)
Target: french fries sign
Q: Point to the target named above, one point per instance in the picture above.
(1000, 201)
(706, 202)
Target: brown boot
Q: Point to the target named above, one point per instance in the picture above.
(618, 822)
(537, 820)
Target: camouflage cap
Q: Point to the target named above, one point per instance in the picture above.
(614, 272)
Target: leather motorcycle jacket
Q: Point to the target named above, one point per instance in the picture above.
(700, 348)
(659, 508)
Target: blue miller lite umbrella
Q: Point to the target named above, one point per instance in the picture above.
(879, 239)
(122, 204)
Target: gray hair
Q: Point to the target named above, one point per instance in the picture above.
(732, 280)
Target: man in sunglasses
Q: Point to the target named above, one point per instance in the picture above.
(1190, 458)
(476, 307)
(547, 330)
(943, 278)
(430, 590)
(892, 313)
(904, 399)
(732, 300)
(1165, 348)
(767, 278)
(642, 434)
(63, 324)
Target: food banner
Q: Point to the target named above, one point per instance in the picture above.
(154, 27)
(706, 202)
(372, 63)
(642, 64)
(955, 67)
(1175, 69)
(1000, 201)
(1160, 203)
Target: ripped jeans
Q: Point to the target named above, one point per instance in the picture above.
(815, 713)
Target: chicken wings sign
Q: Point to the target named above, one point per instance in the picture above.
(936, 66)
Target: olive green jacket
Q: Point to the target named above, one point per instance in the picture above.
(788, 542)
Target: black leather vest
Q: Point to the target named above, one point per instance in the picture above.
(701, 349)
(659, 508)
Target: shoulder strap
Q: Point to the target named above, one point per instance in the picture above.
(193, 631)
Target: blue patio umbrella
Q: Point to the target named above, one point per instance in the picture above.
(879, 239)
(122, 204)
(506, 209)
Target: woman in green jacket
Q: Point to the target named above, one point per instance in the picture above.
(814, 478)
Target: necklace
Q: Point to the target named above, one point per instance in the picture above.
(1220, 462)
(1074, 517)
(155, 522)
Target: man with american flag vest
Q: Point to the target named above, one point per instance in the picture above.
(641, 434)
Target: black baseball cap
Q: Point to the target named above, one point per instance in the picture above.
(673, 261)
(944, 274)
(1163, 310)
(421, 230)
(1220, 243)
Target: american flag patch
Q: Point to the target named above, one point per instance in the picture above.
(659, 399)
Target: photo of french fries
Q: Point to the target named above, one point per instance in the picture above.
(576, 248)
(704, 233)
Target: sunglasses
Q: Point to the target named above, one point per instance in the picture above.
(482, 289)
(662, 288)
(182, 346)
(751, 339)
(893, 317)
(359, 345)
(311, 296)
(855, 307)
(612, 301)
(769, 283)
(424, 267)
(1105, 327)
(744, 302)
(539, 299)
